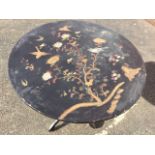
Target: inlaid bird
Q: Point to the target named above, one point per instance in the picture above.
(130, 73)
(65, 29)
(38, 54)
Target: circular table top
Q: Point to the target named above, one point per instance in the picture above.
(76, 71)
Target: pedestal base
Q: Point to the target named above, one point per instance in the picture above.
(94, 125)
(97, 124)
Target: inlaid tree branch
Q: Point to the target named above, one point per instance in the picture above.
(84, 75)
(86, 79)
(91, 104)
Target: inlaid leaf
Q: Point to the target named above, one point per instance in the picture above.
(53, 60)
(24, 83)
(40, 38)
(99, 41)
(64, 93)
(113, 106)
(95, 50)
(84, 60)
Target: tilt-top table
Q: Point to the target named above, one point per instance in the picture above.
(75, 71)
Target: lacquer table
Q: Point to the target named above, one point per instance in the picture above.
(74, 71)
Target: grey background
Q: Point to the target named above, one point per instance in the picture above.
(17, 118)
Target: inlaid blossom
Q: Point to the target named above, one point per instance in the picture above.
(57, 44)
(65, 36)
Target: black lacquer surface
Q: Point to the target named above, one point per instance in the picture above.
(77, 71)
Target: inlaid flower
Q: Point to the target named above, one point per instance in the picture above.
(46, 76)
(115, 58)
(65, 36)
(57, 44)
(115, 75)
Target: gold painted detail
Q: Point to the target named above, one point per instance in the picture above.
(73, 43)
(42, 45)
(64, 93)
(77, 32)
